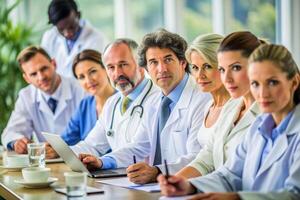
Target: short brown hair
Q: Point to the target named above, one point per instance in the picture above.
(162, 39)
(29, 52)
(88, 54)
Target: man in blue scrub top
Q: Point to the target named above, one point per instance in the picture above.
(46, 104)
(169, 128)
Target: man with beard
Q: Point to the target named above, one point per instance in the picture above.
(46, 104)
(171, 123)
(123, 111)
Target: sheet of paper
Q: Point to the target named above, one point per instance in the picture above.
(54, 160)
(175, 198)
(124, 182)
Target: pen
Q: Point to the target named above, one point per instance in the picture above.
(167, 170)
(134, 159)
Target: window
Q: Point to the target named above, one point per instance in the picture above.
(258, 16)
(197, 18)
(146, 16)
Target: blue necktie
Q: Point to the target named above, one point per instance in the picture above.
(162, 119)
(52, 103)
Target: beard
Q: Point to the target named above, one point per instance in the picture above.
(125, 86)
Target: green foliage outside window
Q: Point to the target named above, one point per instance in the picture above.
(13, 38)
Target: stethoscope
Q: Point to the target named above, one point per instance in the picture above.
(136, 109)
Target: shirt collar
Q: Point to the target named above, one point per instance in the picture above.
(77, 34)
(56, 95)
(177, 91)
(267, 126)
(138, 90)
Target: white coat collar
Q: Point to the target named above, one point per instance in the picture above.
(246, 120)
(65, 94)
(183, 102)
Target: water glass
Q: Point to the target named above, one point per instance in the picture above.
(36, 153)
(76, 183)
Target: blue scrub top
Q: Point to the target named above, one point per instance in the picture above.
(82, 122)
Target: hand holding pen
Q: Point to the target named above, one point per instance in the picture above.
(174, 185)
(134, 159)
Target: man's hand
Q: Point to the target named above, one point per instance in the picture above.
(216, 196)
(175, 186)
(90, 161)
(50, 152)
(20, 145)
(142, 173)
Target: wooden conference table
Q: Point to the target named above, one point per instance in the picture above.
(11, 190)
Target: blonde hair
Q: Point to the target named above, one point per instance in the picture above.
(282, 58)
(207, 46)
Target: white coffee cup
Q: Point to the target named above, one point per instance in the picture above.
(36, 174)
(18, 160)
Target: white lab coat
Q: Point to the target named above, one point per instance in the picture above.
(179, 144)
(226, 136)
(32, 113)
(277, 178)
(98, 142)
(55, 44)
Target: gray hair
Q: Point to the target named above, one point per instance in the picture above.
(133, 45)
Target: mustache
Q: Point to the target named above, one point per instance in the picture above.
(122, 77)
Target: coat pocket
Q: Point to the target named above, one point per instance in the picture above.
(179, 139)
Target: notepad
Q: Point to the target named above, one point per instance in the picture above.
(89, 190)
(124, 182)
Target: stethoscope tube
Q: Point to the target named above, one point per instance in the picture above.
(110, 132)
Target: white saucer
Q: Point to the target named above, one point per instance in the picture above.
(36, 185)
(10, 168)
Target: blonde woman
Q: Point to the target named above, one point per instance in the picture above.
(202, 58)
(238, 114)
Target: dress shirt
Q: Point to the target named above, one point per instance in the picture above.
(270, 133)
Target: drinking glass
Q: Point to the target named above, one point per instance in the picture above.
(36, 153)
(76, 183)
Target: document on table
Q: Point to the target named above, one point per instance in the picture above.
(176, 198)
(54, 160)
(124, 182)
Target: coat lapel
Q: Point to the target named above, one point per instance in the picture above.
(225, 129)
(65, 96)
(153, 109)
(42, 104)
(182, 104)
(281, 143)
(246, 120)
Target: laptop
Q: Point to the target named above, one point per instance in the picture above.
(71, 159)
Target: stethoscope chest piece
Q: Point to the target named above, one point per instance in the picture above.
(110, 132)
